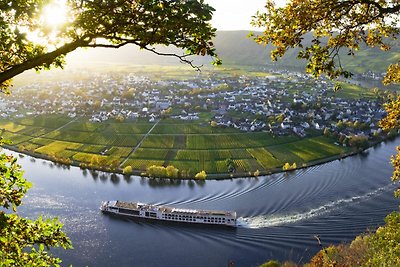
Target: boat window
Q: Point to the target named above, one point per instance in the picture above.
(127, 211)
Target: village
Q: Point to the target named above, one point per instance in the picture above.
(282, 103)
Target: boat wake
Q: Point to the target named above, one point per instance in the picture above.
(264, 221)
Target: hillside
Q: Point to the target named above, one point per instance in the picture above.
(235, 49)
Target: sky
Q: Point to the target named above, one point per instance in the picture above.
(236, 14)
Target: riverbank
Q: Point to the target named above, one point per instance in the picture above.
(190, 147)
(210, 176)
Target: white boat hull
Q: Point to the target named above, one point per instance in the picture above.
(163, 213)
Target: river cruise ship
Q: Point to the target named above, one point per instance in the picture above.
(164, 213)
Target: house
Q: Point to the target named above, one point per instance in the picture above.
(134, 115)
(162, 105)
(305, 125)
(285, 125)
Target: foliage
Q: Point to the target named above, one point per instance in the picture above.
(99, 162)
(230, 164)
(94, 161)
(287, 166)
(392, 120)
(335, 24)
(156, 171)
(24, 242)
(396, 173)
(384, 245)
(163, 172)
(381, 248)
(183, 24)
(127, 170)
(201, 175)
(392, 74)
(271, 263)
(119, 118)
(61, 160)
(172, 172)
(326, 132)
(358, 141)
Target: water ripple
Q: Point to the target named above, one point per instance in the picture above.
(264, 221)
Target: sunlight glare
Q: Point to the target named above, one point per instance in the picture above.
(55, 14)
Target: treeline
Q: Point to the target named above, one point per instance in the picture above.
(51, 156)
(358, 141)
(169, 171)
(101, 163)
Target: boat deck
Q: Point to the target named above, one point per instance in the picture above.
(165, 209)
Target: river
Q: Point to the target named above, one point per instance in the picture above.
(280, 213)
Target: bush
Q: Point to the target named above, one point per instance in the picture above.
(127, 170)
(172, 172)
(271, 263)
(287, 166)
(358, 141)
(157, 171)
(201, 175)
(163, 172)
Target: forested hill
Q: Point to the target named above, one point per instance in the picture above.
(235, 48)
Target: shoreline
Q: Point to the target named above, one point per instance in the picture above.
(210, 176)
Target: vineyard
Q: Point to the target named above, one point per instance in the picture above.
(189, 146)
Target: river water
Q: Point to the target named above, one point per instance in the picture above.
(280, 213)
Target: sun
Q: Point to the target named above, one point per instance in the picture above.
(55, 14)
(50, 21)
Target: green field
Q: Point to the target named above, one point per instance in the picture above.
(189, 146)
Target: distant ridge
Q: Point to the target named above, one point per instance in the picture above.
(235, 49)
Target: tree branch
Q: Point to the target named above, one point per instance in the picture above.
(182, 58)
(38, 61)
(382, 10)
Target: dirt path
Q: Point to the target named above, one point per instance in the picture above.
(138, 144)
(59, 128)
